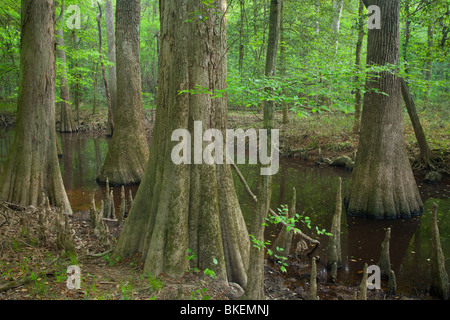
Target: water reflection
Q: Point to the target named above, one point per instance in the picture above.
(410, 245)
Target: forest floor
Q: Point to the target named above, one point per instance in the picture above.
(30, 269)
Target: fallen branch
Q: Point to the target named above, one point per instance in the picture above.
(255, 199)
(17, 283)
(95, 255)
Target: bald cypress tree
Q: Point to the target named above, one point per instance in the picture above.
(188, 206)
(383, 185)
(32, 168)
(128, 149)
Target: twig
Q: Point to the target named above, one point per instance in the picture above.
(95, 255)
(255, 199)
(20, 282)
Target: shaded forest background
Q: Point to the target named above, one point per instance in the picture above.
(317, 70)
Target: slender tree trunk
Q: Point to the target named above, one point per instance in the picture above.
(429, 61)
(255, 287)
(110, 125)
(111, 38)
(359, 43)
(94, 76)
(181, 206)
(283, 62)
(241, 37)
(407, 33)
(32, 171)
(383, 185)
(76, 42)
(67, 123)
(336, 21)
(425, 156)
(316, 23)
(128, 149)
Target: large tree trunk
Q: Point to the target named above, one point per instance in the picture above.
(32, 168)
(67, 123)
(111, 38)
(359, 42)
(128, 149)
(188, 205)
(255, 288)
(383, 185)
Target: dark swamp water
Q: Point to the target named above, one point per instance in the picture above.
(410, 245)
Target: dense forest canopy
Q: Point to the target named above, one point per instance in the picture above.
(316, 67)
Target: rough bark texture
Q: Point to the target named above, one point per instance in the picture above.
(255, 288)
(425, 155)
(359, 43)
(32, 171)
(439, 277)
(128, 149)
(111, 38)
(110, 127)
(67, 123)
(188, 205)
(383, 185)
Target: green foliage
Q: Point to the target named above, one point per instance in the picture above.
(155, 283)
(313, 76)
(290, 225)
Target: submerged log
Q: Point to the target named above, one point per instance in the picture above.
(343, 161)
(439, 277)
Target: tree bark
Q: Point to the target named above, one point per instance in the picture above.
(425, 155)
(188, 205)
(32, 171)
(110, 124)
(111, 38)
(255, 288)
(128, 149)
(382, 184)
(283, 62)
(359, 43)
(429, 61)
(67, 123)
